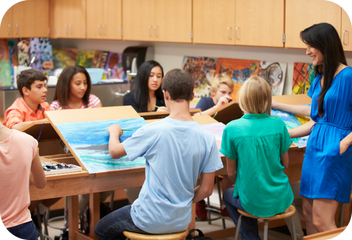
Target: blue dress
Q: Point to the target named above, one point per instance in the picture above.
(326, 173)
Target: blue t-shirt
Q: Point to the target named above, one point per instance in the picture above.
(176, 152)
(205, 103)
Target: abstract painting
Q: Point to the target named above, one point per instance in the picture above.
(303, 75)
(239, 70)
(89, 141)
(41, 49)
(5, 65)
(202, 70)
(89, 59)
(274, 73)
(114, 63)
(64, 57)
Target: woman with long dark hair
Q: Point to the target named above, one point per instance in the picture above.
(146, 91)
(326, 174)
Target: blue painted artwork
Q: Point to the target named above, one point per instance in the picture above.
(89, 141)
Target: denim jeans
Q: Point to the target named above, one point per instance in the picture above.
(24, 231)
(249, 226)
(112, 225)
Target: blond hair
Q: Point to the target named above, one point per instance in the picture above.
(222, 78)
(255, 96)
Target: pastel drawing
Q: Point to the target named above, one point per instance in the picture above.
(89, 141)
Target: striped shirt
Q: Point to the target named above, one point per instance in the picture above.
(92, 103)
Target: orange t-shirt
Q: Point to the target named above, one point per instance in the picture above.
(20, 112)
(16, 155)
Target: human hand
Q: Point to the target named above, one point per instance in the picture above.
(343, 146)
(223, 101)
(162, 109)
(115, 130)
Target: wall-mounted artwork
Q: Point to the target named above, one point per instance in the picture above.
(88, 59)
(202, 70)
(41, 49)
(89, 141)
(5, 66)
(23, 47)
(239, 70)
(303, 75)
(114, 63)
(64, 57)
(274, 73)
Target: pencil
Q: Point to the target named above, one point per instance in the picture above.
(215, 114)
(125, 129)
(156, 106)
(274, 92)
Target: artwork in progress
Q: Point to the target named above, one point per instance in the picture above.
(89, 141)
(274, 73)
(202, 70)
(239, 70)
(303, 75)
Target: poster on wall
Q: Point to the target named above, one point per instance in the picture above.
(274, 73)
(303, 75)
(202, 70)
(239, 70)
(5, 66)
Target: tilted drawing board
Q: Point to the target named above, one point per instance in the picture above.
(227, 113)
(162, 114)
(84, 131)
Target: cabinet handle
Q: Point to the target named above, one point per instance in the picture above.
(98, 29)
(149, 30)
(155, 27)
(236, 32)
(16, 29)
(228, 33)
(66, 29)
(343, 37)
(9, 29)
(70, 28)
(104, 33)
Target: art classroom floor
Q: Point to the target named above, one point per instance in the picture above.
(202, 225)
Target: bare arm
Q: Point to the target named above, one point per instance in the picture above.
(295, 109)
(222, 102)
(345, 143)
(284, 159)
(99, 105)
(205, 188)
(231, 169)
(116, 148)
(37, 175)
(302, 130)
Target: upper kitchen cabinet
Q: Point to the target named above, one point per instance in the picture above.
(26, 19)
(69, 18)
(6, 25)
(301, 14)
(214, 21)
(346, 32)
(157, 20)
(104, 19)
(259, 23)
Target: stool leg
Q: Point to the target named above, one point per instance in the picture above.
(266, 229)
(238, 227)
(208, 211)
(219, 192)
(342, 213)
(293, 227)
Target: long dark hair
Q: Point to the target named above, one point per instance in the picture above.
(325, 38)
(62, 90)
(139, 86)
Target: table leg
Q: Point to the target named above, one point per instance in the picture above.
(72, 204)
(94, 212)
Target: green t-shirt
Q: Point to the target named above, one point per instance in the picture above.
(256, 141)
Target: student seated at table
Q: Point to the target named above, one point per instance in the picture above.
(20, 166)
(146, 94)
(221, 90)
(177, 150)
(29, 108)
(256, 148)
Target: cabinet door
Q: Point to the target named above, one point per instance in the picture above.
(301, 14)
(31, 19)
(95, 19)
(137, 23)
(214, 21)
(6, 25)
(173, 21)
(259, 23)
(346, 32)
(112, 19)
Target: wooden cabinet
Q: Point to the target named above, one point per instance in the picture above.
(259, 23)
(157, 20)
(214, 22)
(346, 28)
(301, 14)
(104, 19)
(69, 18)
(6, 25)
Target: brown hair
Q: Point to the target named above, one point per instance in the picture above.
(255, 96)
(179, 84)
(27, 77)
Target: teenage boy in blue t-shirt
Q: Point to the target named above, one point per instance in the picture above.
(177, 150)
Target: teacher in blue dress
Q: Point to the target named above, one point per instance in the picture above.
(327, 167)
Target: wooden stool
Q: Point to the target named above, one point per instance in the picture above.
(288, 213)
(171, 236)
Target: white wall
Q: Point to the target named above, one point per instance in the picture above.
(170, 55)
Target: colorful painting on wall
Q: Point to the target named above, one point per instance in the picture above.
(202, 70)
(303, 75)
(23, 47)
(88, 59)
(114, 63)
(89, 141)
(64, 57)
(274, 73)
(5, 66)
(41, 49)
(239, 70)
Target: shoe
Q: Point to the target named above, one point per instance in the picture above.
(201, 212)
(224, 212)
